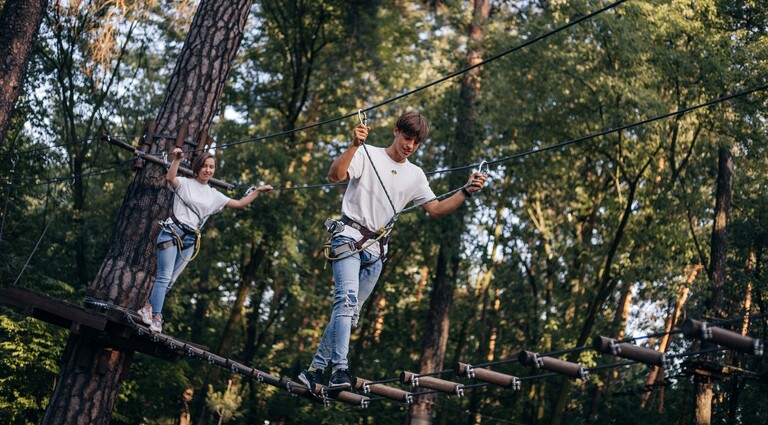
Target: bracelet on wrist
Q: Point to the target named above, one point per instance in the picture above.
(466, 192)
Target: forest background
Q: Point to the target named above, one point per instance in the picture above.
(611, 235)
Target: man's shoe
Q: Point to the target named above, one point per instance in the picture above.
(340, 380)
(310, 379)
(146, 315)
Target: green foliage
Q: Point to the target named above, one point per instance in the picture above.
(557, 238)
(225, 403)
(29, 351)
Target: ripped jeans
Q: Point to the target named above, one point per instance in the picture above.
(354, 280)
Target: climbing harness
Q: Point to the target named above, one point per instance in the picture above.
(178, 240)
(349, 249)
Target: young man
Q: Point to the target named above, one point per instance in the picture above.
(366, 208)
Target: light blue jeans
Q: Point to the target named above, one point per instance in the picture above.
(354, 280)
(169, 266)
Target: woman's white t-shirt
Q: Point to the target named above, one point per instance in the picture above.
(194, 202)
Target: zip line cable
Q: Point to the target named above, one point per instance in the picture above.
(464, 167)
(609, 131)
(388, 101)
(8, 195)
(436, 82)
(43, 182)
(571, 141)
(37, 244)
(491, 162)
(46, 148)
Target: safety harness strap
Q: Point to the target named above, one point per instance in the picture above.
(169, 243)
(367, 235)
(184, 228)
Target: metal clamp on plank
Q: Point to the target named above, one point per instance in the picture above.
(571, 370)
(486, 375)
(625, 350)
(707, 332)
(432, 383)
(368, 387)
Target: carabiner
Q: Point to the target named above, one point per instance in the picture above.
(482, 168)
(362, 117)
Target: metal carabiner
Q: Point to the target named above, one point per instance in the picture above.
(482, 168)
(362, 117)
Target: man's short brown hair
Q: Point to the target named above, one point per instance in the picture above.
(413, 126)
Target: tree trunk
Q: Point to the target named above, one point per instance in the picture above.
(719, 249)
(717, 270)
(656, 375)
(87, 385)
(19, 23)
(443, 286)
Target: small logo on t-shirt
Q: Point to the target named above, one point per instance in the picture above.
(394, 172)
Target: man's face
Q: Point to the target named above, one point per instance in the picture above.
(404, 145)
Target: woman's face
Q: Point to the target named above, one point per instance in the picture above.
(207, 170)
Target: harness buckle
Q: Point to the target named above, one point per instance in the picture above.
(333, 226)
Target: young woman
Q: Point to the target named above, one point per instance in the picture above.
(179, 237)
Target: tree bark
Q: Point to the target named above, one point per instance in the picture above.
(19, 24)
(86, 389)
(443, 286)
(717, 271)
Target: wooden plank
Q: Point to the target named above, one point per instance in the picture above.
(51, 310)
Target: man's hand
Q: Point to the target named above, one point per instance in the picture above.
(360, 133)
(476, 182)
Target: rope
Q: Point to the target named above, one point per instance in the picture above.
(364, 122)
(8, 194)
(61, 201)
(440, 80)
(565, 143)
(59, 179)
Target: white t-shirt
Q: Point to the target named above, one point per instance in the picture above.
(365, 201)
(201, 198)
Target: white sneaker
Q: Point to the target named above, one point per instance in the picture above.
(146, 315)
(157, 325)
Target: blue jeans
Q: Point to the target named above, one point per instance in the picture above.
(169, 266)
(354, 280)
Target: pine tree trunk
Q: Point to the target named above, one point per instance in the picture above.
(443, 286)
(19, 24)
(87, 385)
(717, 270)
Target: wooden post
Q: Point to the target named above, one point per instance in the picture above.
(145, 142)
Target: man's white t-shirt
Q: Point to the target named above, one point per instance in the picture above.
(195, 202)
(365, 201)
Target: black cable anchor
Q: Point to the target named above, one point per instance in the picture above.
(625, 350)
(704, 331)
(571, 370)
